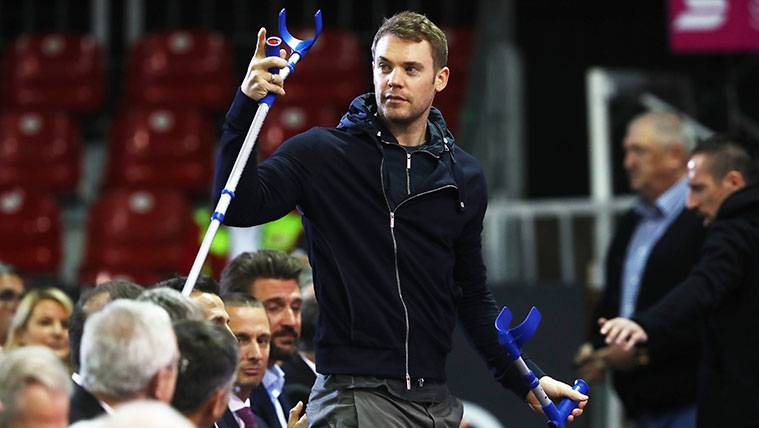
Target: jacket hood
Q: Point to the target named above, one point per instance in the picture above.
(362, 117)
(746, 198)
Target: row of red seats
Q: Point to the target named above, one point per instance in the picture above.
(157, 148)
(188, 69)
(145, 234)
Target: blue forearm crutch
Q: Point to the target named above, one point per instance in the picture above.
(512, 340)
(299, 50)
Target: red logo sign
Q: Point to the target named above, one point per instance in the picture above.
(714, 25)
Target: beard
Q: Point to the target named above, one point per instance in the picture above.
(278, 353)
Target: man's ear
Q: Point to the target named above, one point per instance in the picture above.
(162, 384)
(216, 404)
(441, 79)
(734, 179)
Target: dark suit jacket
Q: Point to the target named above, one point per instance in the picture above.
(649, 388)
(299, 378)
(83, 405)
(263, 407)
(228, 421)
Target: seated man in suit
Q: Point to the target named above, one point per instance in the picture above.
(300, 370)
(84, 405)
(129, 352)
(249, 324)
(34, 389)
(207, 369)
(272, 278)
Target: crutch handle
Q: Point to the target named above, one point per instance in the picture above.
(566, 405)
(272, 49)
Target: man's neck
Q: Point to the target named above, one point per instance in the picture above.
(409, 135)
(199, 420)
(243, 392)
(113, 402)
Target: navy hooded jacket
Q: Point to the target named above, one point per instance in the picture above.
(391, 270)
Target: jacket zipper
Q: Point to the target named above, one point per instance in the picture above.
(395, 261)
(408, 174)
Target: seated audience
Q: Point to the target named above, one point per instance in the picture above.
(140, 414)
(178, 306)
(129, 352)
(205, 294)
(11, 289)
(300, 369)
(34, 389)
(207, 370)
(250, 326)
(42, 319)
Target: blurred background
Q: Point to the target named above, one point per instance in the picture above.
(110, 111)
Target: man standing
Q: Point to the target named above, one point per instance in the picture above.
(392, 211)
(654, 247)
(249, 324)
(722, 290)
(271, 277)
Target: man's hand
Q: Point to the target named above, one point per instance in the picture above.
(623, 332)
(258, 80)
(557, 391)
(588, 365)
(618, 358)
(293, 421)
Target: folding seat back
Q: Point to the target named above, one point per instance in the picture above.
(161, 148)
(30, 225)
(54, 71)
(139, 230)
(40, 150)
(337, 58)
(286, 120)
(181, 68)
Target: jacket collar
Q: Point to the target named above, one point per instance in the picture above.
(362, 117)
(741, 200)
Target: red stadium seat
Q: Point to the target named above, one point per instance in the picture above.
(335, 72)
(161, 148)
(54, 71)
(139, 233)
(39, 150)
(31, 229)
(181, 68)
(287, 119)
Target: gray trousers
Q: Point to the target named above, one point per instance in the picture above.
(335, 403)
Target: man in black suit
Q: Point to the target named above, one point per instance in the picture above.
(300, 369)
(129, 352)
(654, 247)
(250, 325)
(207, 368)
(83, 405)
(272, 278)
(721, 292)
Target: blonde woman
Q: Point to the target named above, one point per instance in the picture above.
(42, 319)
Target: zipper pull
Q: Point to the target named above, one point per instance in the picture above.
(408, 382)
(392, 220)
(408, 160)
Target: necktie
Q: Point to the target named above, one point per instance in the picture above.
(246, 414)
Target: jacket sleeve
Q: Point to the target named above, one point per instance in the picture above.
(718, 273)
(266, 191)
(477, 308)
